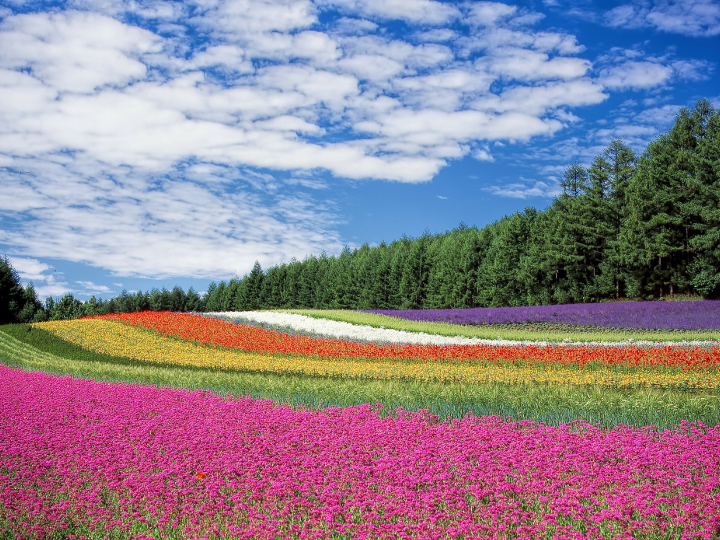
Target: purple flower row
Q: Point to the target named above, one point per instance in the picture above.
(149, 461)
(690, 315)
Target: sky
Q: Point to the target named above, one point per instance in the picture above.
(149, 143)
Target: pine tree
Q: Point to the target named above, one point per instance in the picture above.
(610, 176)
(704, 246)
(11, 293)
(254, 282)
(415, 274)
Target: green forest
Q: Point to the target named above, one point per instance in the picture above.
(627, 227)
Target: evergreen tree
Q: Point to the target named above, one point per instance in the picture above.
(193, 302)
(68, 307)
(703, 246)
(309, 283)
(610, 176)
(213, 296)
(442, 286)
(177, 299)
(573, 237)
(415, 274)
(399, 253)
(254, 286)
(12, 295)
(499, 278)
(92, 307)
(32, 310)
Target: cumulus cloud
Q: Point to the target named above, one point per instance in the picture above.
(75, 51)
(700, 18)
(629, 69)
(416, 11)
(525, 189)
(636, 75)
(141, 149)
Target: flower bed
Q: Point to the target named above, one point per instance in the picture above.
(690, 315)
(90, 458)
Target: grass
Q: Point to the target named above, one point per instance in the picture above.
(37, 350)
(522, 332)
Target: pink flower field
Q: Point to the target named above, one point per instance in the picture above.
(102, 460)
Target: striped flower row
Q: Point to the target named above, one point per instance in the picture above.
(117, 338)
(209, 331)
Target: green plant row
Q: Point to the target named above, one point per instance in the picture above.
(502, 331)
(548, 404)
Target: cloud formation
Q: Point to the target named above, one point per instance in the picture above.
(700, 18)
(155, 138)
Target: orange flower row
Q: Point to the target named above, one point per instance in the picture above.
(210, 331)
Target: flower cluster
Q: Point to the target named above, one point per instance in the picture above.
(92, 458)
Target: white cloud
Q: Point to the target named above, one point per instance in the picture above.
(90, 288)
(525, 189)
(103, 52)
(437, 35)
(489, 13)
(416, 11)
(29, 269)
(660, 117)
(699, 18)
(151, 155)
(692, 70)
(528, 65)
(483, 154)
(350, 26)
(534, 100)
(159, 227)
(634, 74)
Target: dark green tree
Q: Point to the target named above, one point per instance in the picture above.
(12, 295)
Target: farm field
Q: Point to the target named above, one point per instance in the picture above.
(340, 424)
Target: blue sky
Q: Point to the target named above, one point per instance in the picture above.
(151, 143)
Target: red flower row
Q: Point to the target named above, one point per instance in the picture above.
(210, 331)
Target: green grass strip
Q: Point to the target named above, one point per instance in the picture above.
(502, 331)
(548, 404)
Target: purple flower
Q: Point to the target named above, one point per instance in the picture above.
(690, 315)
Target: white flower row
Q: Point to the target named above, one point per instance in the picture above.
(345, 330)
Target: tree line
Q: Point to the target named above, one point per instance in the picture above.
(640, 227)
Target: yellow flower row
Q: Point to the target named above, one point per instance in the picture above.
(118, 339)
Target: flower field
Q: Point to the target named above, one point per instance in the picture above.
(629, 367)
(93, 457)
(158, 425)
(688, 315)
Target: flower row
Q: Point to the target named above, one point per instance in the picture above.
(689, 315)
(114, 337)
(211, 331)
(96, 458)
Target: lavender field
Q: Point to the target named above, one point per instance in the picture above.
(689, 315)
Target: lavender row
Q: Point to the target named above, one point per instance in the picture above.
(689, 315)
(90, 456)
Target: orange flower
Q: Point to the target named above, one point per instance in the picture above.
(200, 475)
